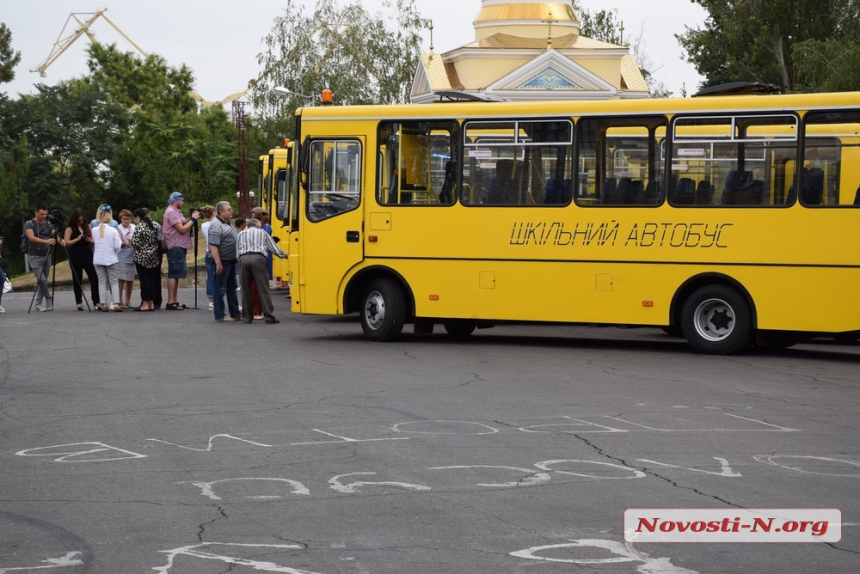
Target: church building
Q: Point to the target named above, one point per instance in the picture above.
(529, 50)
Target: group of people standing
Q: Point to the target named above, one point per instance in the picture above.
(111, 253)
(235, 255)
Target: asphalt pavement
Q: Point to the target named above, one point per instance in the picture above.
(166, 442)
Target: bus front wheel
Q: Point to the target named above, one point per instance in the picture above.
(383, 310)
(716, 320)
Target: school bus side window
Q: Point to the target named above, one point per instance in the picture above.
(517, 163)
(416, 163)
(733, 160)
(334, 178)
(829, 174)
(618, 161)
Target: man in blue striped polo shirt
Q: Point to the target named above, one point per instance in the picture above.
(254, 247)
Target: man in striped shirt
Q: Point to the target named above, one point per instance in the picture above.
(254, 247)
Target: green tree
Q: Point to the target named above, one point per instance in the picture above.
(13, 151)
(73, 134)
(170, 143)
(788, 43)
(363, 58)
(8, 57)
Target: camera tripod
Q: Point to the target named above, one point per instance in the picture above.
(55, 234)
(195, 233)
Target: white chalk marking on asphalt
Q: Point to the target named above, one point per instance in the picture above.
(191, 550)
(352, 487)
(70, 559)
(579, 422)
(211, 440)
(777, 427)
(774, 428)
(396, 428)
(771, 459)
(621, 553)
(207, 490)
(344, 439)
(725, 469)
(101, 447)
(546, 463)
(532, 477)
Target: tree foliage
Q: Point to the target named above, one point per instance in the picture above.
(9, 58)
(795, 44)
(169, 144)
(127, 134)
(363, 58)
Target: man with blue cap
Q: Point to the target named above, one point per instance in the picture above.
(177, 236)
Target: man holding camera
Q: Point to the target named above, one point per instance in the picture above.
(177, 236)
(40, 239)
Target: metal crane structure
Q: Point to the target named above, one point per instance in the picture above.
(63, 42)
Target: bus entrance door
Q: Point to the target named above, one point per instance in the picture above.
(332, 239)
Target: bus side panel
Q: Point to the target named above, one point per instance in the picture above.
(622, 265)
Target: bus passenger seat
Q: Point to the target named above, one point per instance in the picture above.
(704, 193)
(685, 191)
(812, 186)
(609, 194)
(735, 180)
(552, 193)
(628, 190)
(557, 191)
(498, 187)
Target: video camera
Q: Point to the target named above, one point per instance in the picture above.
(56, 219)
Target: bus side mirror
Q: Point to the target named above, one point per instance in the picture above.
(304, 162)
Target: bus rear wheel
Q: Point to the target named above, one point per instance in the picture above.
(716, 321)
(459, 328)
(383, 310)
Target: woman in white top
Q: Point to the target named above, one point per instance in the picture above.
(106, 245)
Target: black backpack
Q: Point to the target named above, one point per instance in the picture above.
(25, 243)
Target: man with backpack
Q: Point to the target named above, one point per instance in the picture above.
(40, 239)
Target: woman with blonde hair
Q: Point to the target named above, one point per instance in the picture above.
(106, 245)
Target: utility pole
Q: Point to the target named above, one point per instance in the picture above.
(243, 185)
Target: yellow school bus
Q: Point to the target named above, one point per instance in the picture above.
(276, 176)
(731, 220)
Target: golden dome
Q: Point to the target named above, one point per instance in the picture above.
(494, 11)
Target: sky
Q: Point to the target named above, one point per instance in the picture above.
(220, 39)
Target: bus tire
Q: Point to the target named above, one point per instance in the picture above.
(459, 328)
(846, 338)
(383, 310)
(716, 320)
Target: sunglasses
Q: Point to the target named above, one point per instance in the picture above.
(105, 208)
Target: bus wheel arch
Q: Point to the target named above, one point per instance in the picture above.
(715, 313)
(383, 301)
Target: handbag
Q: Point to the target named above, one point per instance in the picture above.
(7, 286)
